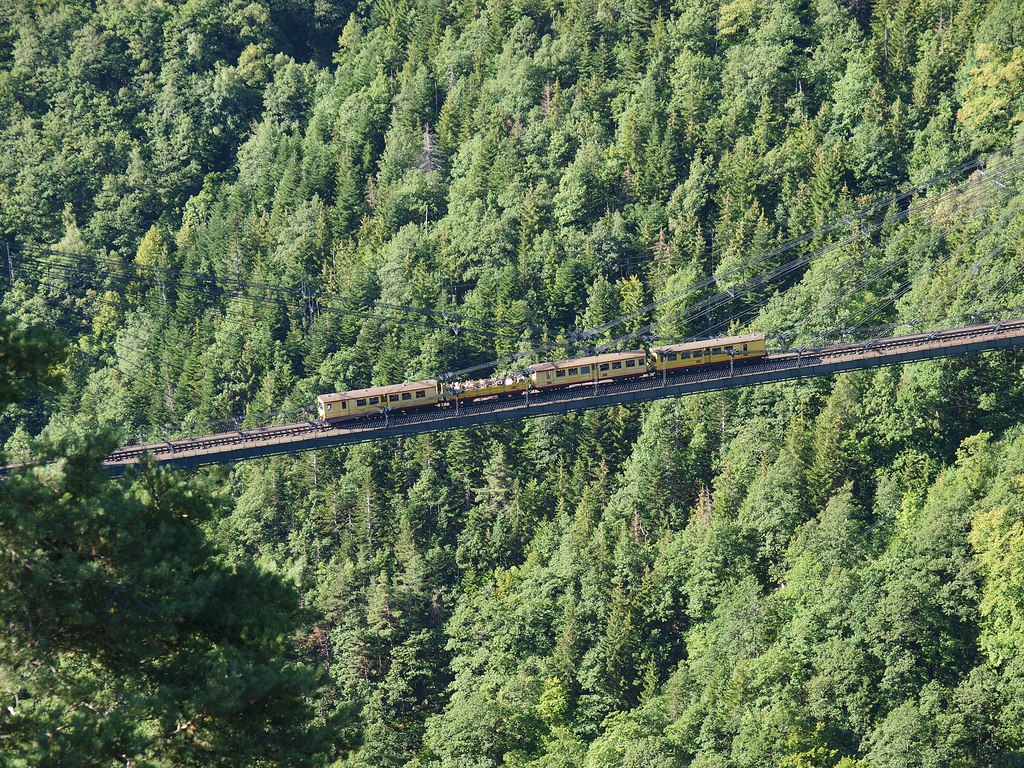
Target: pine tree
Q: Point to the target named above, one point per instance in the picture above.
(126, 636)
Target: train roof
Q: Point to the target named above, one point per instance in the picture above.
(575, 362)
(390, 389)
(722, 341)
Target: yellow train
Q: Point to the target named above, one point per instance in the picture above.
(556, 374)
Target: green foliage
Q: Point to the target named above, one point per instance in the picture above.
(28, 357)
(330, 195)
(125, 634)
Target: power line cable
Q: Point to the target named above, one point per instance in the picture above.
(708, 305)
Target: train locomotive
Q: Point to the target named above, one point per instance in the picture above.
(541, 377)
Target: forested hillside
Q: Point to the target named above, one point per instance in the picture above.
(327, 195)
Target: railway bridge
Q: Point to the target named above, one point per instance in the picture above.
(304, 436)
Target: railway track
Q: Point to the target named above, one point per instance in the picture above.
(289, 438)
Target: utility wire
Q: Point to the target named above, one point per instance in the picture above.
(708, 305)
(172, 278)
(307, 298)
(715, 301)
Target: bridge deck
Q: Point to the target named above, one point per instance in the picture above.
(290, 438)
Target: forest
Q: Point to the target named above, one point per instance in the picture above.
(211, 211)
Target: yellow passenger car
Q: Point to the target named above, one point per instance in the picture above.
(613, 365)
(707, 351)
(363, 402)
(490, 387)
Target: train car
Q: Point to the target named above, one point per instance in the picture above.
(476, 389)
(541, 376)
(564, 373)
(708, 351)
(372, 400)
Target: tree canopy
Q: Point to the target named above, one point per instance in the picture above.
(219, 209)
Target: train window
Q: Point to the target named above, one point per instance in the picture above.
(604, 366)
(673, 357)
(360, 402)
(421, 393)
(697, 353)
(328, 406)
(560, 374)
(616, 366)
(716, 350)
(374, 400)
(585, 369)
(574, 371)
(344, 405)
(393, 398)
(631, 363)
(744, 347)
(684, 355)
(407, 395)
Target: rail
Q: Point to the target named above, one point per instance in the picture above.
(303, 436)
